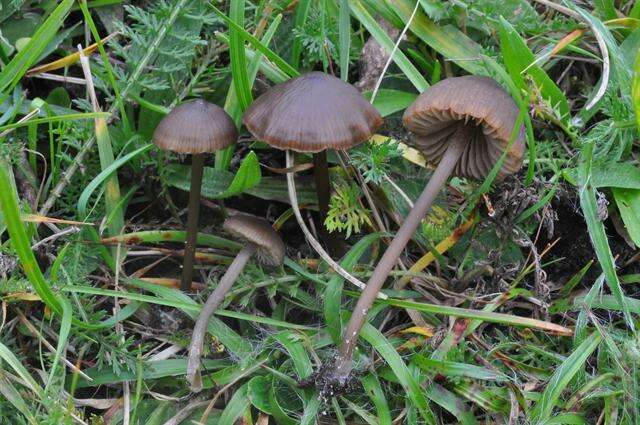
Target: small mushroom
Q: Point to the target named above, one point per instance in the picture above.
(464, 125)
(260, 241)
(312, 113)
(195, 128)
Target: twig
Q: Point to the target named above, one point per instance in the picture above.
(67, 231)
(60, 78)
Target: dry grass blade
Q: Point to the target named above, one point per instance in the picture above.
(67, 60)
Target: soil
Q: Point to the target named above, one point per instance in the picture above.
(563, 224)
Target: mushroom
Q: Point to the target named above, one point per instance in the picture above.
(464, 125)
(312, 113)
(195, 128)
(261, 242)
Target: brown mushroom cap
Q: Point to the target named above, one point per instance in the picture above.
(195, 127)
(256, 231)
(476, 102)
(311, 113)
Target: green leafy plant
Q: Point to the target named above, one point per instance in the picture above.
(346, 214)
(374, 159)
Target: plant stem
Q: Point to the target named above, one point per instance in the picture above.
(323, 191)
(215, 299)
(440, 176)
(193, 211)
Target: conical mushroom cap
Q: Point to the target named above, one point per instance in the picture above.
(312, 113)
(474, 101)
(256, 231)
(195, 127)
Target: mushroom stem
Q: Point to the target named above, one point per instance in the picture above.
(193, 211)
(293, 198)
(439, 178)
(323, 191)
(215, 299)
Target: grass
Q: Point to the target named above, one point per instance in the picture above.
(527, 297)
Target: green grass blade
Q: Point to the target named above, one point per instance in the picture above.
(13, 396)
(268, 53)
(15, 364)
(20, 241)
(103, 176)
(413, 390)
(519, 60)
(236, 407)
(111, 183)
(151, 369)
(291, 342)
(628, 202)
(455, 369)
(182, 305)
(487, 316)
(333, 291)
(239, 72)
(447, 40)
(247, 177)
(63, 337)
(389, 101)
(26, 57)
(151, 236)
(231, 103)
(543, 409)
(344, 36)
(373, 389)
(107, 64)
(311, 409)
(57, 118)
(227, 336)
(597, 232)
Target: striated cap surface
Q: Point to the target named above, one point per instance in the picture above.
(311, 113)
(195, 127)
(480, 104)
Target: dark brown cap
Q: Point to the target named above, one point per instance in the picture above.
(311, 113)
(256, 231)
(195, 127)
(478, 103)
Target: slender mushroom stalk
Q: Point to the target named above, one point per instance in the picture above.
(464, 124)
(193, 215)
(260, 241)
(313, 113)
(323, 191)
(195, 128)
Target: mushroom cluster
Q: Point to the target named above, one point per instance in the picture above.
(465, 126)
